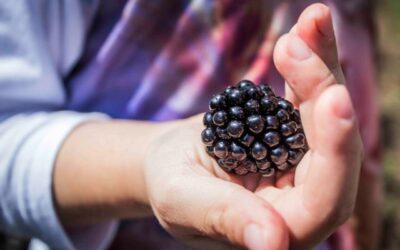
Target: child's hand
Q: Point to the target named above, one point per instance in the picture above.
(205, 207)
(200, 204)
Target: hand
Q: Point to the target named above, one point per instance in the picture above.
(200, 204)
(203, 206)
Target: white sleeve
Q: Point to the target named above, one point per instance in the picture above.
(29, 146)
(32, 127)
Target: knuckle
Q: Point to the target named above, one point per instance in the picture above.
(326, 80)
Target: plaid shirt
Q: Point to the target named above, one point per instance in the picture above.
(160, 60)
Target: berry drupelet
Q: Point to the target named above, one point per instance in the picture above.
(251, 130)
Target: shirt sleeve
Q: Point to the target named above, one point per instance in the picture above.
(33, 126)
(29, 146)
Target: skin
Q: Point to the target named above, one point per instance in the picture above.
(125, 169)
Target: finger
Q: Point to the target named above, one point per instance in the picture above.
(332, 177)
(315, 27)
(326, 181)
(289, 94)
(302, 68)
(221, 210)
(306, 74)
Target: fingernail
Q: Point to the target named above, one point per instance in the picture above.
(344, 108)
(298, 49)
(254, 237)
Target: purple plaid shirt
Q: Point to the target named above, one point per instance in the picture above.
(161, 60)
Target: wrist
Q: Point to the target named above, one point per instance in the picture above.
(98, 174)
(152, 132)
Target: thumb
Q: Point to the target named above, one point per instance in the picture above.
(222, 211)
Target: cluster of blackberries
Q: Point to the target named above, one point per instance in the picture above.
(251, 130)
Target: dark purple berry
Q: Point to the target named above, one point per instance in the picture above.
(255, 123)
(228, 90)
(236, 97)
(284, 166)
(271, 138)
(271, 122)
(227, 163)
(288, 128)
(238, 152)
(283, 115)
(208, 136)
(249, 165)
(283, 104)
(243, 84)
(279, 155)
(220, 118)
(221, 149)
(296, 141)
(300, 129)
(295, 156)
(236, 112)
(258, 150)
(253, 92)
(268, 104)
(268, 172)
(251, 130)
(251, 107)
(266, 90)
(218, 102)
(210, 151)
(296, 116)
(247, 140)
(263, 164)
(235, 129)
(208, 119)
(241, 170)
(222, 133)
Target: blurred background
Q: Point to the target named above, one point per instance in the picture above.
(388, 22)
(388, 26)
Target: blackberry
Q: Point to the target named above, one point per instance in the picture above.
(220, 118)
(251, 130)
(235, 129)
(208, 136)
(221, 149)
(255, 123)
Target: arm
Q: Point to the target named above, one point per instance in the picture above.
(99, 171)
